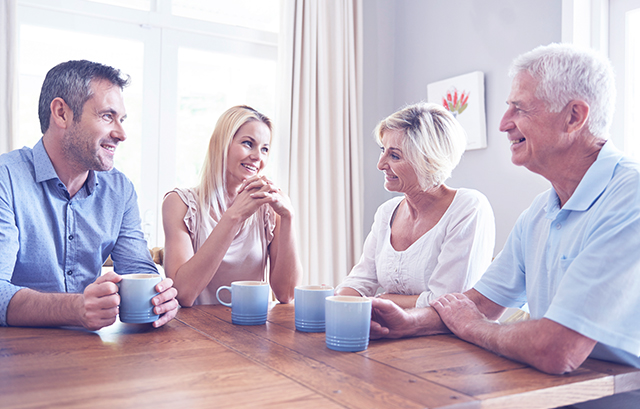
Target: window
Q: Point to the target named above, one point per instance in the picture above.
(189, 60)
(135, 4)
(624, 46)
(261, 15)
(613, 28)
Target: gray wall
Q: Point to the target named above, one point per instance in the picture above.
(411, 43)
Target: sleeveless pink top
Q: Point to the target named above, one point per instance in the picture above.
(247, 256)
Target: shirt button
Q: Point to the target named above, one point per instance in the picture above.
(71, 237)
(558, 226)
(69, 272)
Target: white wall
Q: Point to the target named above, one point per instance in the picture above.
(410, 43)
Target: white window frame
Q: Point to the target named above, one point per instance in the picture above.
(617, 53)
(162, 35)
(589, 23)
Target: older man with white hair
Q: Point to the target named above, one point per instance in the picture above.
(573, 254)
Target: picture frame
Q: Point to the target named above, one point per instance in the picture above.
(464, 97)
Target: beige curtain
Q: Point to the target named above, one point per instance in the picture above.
(7, 72)
(319, 132)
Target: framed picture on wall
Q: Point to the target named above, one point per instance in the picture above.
(463, 96)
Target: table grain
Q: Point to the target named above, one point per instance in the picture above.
(201, 360)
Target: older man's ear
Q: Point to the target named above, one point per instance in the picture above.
(577, 115)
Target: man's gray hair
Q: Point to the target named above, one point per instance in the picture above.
(564, 73)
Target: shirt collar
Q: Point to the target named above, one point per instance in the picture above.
(595, 181)
(45, 171)
(42, 163)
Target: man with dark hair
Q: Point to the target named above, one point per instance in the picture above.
(64, 209)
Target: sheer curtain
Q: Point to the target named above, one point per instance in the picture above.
(7, 72)
(319, 132)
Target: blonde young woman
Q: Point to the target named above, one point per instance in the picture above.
(234, 221)
(431, 240)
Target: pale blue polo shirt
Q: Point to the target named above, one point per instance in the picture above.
(580, 265)
(53, 243)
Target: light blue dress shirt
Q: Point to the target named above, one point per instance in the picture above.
(579, 265)
(51, 243)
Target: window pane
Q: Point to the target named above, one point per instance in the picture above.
(132, 4)
(632, 82)
(40, 51)
(256, 14)
(209, 84)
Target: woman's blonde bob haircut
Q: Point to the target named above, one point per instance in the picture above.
(212, 192)
(433, 142)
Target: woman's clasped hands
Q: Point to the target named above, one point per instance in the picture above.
(258, 190)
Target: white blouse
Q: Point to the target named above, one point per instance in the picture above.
(450, 257)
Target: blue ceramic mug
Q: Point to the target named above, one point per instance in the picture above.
(249, 302)
(136, 292)
(309, 306)
(348, 321)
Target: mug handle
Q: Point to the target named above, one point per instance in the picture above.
(224, 287)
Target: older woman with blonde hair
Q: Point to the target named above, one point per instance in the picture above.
(431, 240)
(234, 221)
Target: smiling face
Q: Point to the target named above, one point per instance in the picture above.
(248, 152)
(400, 176)
(535, 134)
(90, 144)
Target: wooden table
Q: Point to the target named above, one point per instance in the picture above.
(202, 360)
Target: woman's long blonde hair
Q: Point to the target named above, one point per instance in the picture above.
(212, 192)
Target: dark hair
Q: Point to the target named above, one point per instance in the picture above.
(71, 81)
